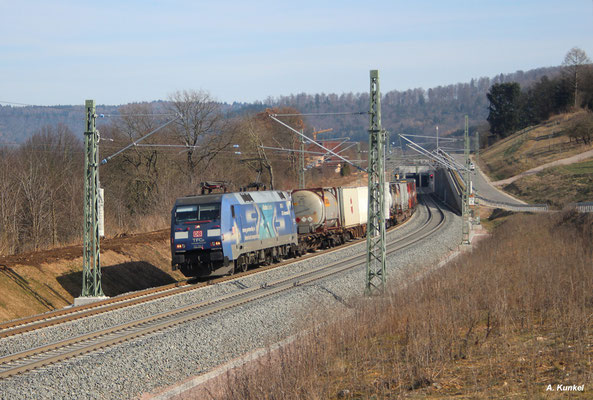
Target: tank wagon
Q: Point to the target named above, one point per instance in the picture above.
(228, 232)
(328, 217)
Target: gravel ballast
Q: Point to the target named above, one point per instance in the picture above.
(147, 364)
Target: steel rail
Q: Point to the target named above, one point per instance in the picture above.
(31, 359)
(62, 315)
(57, 317)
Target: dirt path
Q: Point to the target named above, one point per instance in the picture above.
(569, 160)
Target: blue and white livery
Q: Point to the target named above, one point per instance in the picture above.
(228, 232)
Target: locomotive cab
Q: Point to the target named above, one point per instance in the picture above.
(196, 242)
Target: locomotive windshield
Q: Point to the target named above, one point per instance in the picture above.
(197, 212)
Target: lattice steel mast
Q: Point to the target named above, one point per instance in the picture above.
(477, 202)
(375, 273)
(466, 192)
(91, 267)
(302, 164)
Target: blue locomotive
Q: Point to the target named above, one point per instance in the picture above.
(215, 234)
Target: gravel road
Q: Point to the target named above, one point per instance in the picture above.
(147, 364)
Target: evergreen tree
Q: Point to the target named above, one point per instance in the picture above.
(504, 108)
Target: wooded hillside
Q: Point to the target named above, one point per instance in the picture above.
(41, 179)
(410, 111)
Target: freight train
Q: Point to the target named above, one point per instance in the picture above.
(217, 234)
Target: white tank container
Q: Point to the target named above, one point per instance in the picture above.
(315, 209)
(388, 200)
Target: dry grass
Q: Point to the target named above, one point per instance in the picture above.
(502, 322)
(521, 151)
(37, 282)
(556, 186)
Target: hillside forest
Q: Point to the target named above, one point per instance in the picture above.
(512, 108)
(41, 179)
(413, 111)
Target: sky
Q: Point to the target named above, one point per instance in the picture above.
(116, 52)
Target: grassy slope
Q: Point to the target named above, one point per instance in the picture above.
(504, 321)
(38, 282)
(520, 152)
(557, 186)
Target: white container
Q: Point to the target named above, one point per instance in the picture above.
(404, 195)
(353, 206)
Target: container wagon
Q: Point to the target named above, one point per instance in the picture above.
(327, 217)
(404, 199)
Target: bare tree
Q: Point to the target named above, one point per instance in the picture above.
(139, 164)
(9, 203)
(582, 128)
(574, 61)
(61, 160)
(40, 190)
(255, 137)
(49, 177)
(260, 131)
(36, 199)
(200, 129)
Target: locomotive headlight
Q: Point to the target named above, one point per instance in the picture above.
(215, 243)
(180, 246)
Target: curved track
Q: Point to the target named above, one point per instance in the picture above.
(60, 316)
(55, 352)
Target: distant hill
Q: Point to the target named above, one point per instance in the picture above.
(413, 111)
(19, 123)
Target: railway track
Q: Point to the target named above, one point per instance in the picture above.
(28, 360)
(60, 316)
(56, 317)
